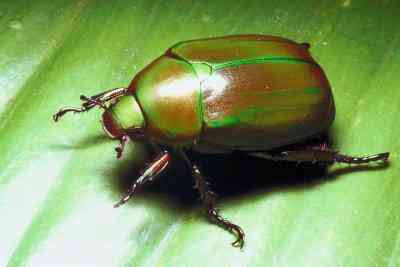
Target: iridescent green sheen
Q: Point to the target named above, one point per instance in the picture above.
(246, 92)
(265, 105)
(226, 121)
(257, 60)
(312, 90)
(203, 70)
(168, 91)
(262, 91)
(127, 113)
(234, 50)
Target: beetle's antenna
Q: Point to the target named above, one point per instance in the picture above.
(91, 101)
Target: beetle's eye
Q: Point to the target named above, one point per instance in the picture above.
(110, 126)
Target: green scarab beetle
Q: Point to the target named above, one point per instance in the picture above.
(257, 94)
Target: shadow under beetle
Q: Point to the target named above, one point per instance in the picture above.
(251, 93)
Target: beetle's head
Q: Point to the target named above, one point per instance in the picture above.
(122, 118)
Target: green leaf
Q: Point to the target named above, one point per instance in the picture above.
(58, 182)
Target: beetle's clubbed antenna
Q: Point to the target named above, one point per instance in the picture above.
(91, 101)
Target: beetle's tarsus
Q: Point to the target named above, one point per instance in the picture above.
(84, 107)
(130, 192)
(239, 242)
(122, 201)
(63, 111)
(231, 227)
(208, 197)
(58, 115)
(91, 101)
(360, 160)
(155, 168)
(321, 155)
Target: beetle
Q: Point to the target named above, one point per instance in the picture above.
(257, 94)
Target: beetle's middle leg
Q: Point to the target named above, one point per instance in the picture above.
(321, 155)
(208, 198)
(88, 102)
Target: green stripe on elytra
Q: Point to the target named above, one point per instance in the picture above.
(203, 68)
(226, 121)
(312, 90)
(249, 113)
(258, 60)
(245, 115)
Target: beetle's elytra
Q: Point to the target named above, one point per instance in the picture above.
(250, 93)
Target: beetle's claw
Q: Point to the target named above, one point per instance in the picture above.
(56, 116)
(122, 201)
(63, 111)
(239, 242)
(59, 114)
(119, 151)
(383, 156)
(120, 148)
(84, 98)
(88, 103)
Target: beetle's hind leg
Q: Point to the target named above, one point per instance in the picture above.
(321, 155)
(88, 102)
(208, 198)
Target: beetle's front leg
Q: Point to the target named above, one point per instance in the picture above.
(152, 171)
(91, 101)
(208, 198)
